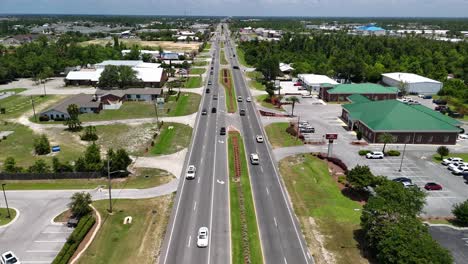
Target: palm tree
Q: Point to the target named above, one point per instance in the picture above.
(293, 100)
(386, 138)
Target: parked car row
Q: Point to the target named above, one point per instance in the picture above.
(9, 258)
(456, 165)
(408, 183)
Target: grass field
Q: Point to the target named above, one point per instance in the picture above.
(20, 145)
(4, 219)
(197, 71)
(278, 136)
(257, 85)
(464, 156)
(241, 57)
(207, 47)
(200, 63)
(193, 82)
(186, 105)
(172, 139)
(231, 99)
(320, 206)
(236, 231)
(138, 242)
(144, 178)
(133, 138)
(262, 99)
(16, 105)
(222, 58)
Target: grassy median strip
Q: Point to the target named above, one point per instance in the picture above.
(226, 80)
(243, 220)
(278, 136)
(322, 209)
(222, 58)
(4, 219)
(138, 242)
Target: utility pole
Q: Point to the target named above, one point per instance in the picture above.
(110, 188)
(402, 156)
(34, 110)
(156, 110)
(6, 201)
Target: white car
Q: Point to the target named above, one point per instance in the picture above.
(259, 138)
(447, 161)
(407, 184)
(248, 99)
(375, 155)
(254, 159)
(191, 170)
(202, 238)
(460, 170)
(9, 258)
(455, 165)
(463, 136)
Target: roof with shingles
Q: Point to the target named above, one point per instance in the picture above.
(393, 115)
(81, 100)
(362, 88)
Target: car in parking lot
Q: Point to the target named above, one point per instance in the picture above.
(307, 96)
(235, 67)
(460, 170)
(455, 165)
(463, 136)
(202, 238)
(450, 160)
(408, 184)
(239, 98)
(259, 138)
(254, 159)
(375, 155)
(211, 73)
(222, 131)
(432, 186)
(307, 129)
(191, 172)
(242, 112)
(402, 179)
(9, 258)
(439, 102)
(204, 112)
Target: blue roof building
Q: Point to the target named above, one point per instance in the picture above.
(370, 30)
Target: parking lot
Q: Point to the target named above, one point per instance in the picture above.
(454, 240)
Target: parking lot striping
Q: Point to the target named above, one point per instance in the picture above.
(199, 179)
(51, 241)
(195, 206)
(189, 241)
(268, 192)
(276, 224)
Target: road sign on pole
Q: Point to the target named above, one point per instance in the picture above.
(330, 137)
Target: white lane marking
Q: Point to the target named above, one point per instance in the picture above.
(268, 192)
(261, 169)
(51, 241)
(189, 241)
(308, 255)
(276, 223)
(285, 261)
(199, 179)
(195, 206)
(201, 161)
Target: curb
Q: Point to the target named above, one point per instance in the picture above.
(98, 222)
(445, 225)
(14, 219)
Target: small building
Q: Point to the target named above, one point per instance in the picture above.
(87, 103)
(107, 97)
(315, 81)
(370, 30)
(340, 92)
(285, 68)
(409, 124)
(413, 83)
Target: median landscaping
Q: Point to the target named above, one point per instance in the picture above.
(279, 137)
(6, 218)
(222, 58)
(226, 79)
(245, 242)
(330, 221)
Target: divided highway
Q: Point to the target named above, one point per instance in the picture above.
(280, 232)
(203, 201)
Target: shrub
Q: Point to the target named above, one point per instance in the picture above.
(90, 134)
(44, 118)
(342, 179)
(363, 152)
(392, 153)
(460, 211)
(42, 145)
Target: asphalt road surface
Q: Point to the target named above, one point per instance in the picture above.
(203, 201)
(456, 241)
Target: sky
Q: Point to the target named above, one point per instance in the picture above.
(313, 8)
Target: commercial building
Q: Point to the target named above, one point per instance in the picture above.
(149, 74)
(370, 30)
(87, 103)
(410, 124)
(315, 81)
(340, 92)
(412, 83)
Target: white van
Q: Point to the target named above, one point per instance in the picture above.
(254, 159)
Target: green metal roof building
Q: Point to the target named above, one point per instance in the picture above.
(414, 124)
(340, 92)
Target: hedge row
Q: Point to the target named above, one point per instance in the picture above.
(84, 225)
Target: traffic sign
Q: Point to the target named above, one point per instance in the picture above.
(331, 136)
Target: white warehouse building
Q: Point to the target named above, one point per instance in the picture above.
(415, 84)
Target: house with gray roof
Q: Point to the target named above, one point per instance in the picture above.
(87, 103)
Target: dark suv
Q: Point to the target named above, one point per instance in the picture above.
(222, 131)
(242, 112)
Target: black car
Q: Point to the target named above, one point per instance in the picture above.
(222, 131)
(211, 72)
(212, 67)
(215, 97)
(207, 90)
(209, 82)
(242, 112)
(204, 112)
(456, 115)
(235, 67)
(213, 110)
(439, 102)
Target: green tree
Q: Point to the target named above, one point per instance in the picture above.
(80, 165)
(40, 166)
(360, 177)
(58, 166)
(92, 158)
(386, 138)
(358, 135)
(293, 100)
(443, 151)
(127, 77)
(42, 145)
(270, 89)
(9, 166)
(460, 211)
(73, 122)
(109, 77)
(79, 204)
(134, 53)
(119, 160)
(90, 134)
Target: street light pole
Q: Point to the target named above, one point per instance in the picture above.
(6, 201)
(34, 110)
(402, 156)
(110, 188)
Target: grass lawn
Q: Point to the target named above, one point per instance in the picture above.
(193, 82)
(4, 219)
(262, 99)
(16, 90)
(137, 242)
(187, 104)
(222, 57)
(436, 157)
(200, 63)
(231, 99)
(197, 71)
(257, 85)
(144, 178)
(320, 206)
(207, 47)
(171, 140)
(241, 57)
(278, 136)
(16, 105)
(20, 145)
(236, 231)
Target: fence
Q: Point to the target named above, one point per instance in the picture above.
(50, 176)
